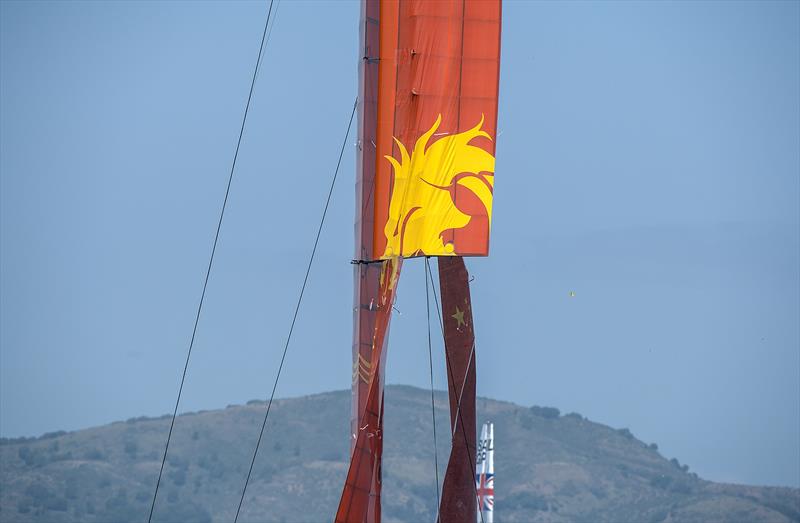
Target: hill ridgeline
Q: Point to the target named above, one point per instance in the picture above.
(550, 467)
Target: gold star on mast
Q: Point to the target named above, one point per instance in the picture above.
(459, 317)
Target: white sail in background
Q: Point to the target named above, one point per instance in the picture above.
(484, 474)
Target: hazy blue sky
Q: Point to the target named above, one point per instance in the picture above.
(647, 160)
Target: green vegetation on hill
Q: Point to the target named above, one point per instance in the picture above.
(549, 468)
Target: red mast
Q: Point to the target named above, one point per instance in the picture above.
(428, 81)
(375, 285)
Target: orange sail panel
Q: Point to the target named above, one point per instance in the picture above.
(438, 70)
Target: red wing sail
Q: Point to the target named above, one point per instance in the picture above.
(428, 81)
(459, 504)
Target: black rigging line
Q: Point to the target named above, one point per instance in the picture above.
(433, 409)
(296, 310)
(450, 369)
(269, 31)
(211, 260)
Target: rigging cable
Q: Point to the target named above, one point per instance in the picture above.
(433, 409)
(450, 372)
(269, 32)
(211, 260)
(296, 310)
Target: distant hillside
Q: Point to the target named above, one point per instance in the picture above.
(549, 468)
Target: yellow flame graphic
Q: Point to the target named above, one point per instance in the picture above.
(421, 208)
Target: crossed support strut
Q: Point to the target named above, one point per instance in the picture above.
(377, 284)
